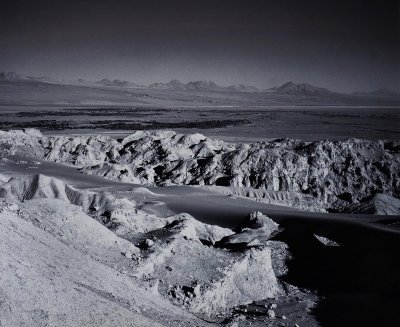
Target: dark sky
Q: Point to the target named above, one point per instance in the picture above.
(343, 45)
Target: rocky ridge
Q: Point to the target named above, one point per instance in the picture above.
(334, 173)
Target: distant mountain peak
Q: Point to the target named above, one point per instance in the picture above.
(12, 76)
(175, 83)
(171, 85)
(203, 85)
(287, 84)
(115, 83)
(303, 89)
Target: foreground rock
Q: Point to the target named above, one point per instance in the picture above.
(257, 230)
(61, 243)
(60, 268)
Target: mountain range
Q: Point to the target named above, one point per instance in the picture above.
(289, 88)
(110, 89)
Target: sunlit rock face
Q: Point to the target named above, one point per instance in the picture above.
(173, 259)
(337, 173)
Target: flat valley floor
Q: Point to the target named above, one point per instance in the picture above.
(230, 123)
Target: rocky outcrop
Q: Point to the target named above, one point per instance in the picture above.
(379, 204)
(59, 267)
(257, 230)
(176, 257)
(113, 212)
(332, 172)
(297, 200)
(249, 278)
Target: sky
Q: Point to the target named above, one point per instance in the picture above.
(345, 46)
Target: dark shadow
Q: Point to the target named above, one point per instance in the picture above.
(223, 181)
(358, 282)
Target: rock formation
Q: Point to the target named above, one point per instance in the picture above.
(332, 173)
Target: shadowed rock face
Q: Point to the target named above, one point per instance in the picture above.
(379, 204)
(340, 172)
